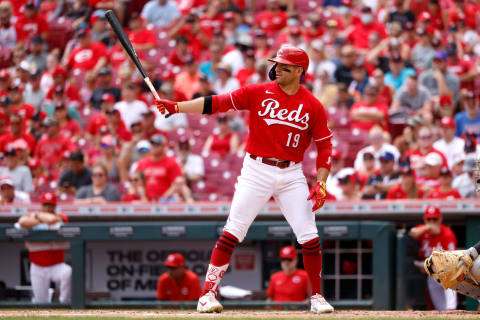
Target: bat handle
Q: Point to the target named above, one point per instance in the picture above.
(154, 92)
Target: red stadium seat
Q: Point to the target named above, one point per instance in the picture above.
(60, 31)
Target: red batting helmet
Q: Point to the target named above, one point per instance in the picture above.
(288, 54)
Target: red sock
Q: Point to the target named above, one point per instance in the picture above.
(221, 255)
(312, 260)
(223, 250)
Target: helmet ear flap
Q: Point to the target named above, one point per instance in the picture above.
(272, 74)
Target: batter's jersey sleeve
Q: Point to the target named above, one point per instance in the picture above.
(320, 130)
(236, 100)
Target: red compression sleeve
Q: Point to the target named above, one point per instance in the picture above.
(222, 103)
(324, 154)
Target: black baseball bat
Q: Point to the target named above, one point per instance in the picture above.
(127, 45)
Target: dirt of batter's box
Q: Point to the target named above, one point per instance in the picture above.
(244, 314)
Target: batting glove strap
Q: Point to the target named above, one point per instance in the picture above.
(165, 106)
(318, 194)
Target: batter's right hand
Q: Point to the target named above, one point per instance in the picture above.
(164, 106)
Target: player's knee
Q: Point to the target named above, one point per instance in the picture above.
(238, 235)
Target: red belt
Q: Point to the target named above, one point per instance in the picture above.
(282, 164)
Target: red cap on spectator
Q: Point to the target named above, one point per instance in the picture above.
(59, 71)
(336, 154)
(66, 155)
(347, 3)
(4, 74)
(432, 212)
(448, 122)
(288, 252)
(49, 197)
(425, 16)
(34, 163)
(108, 97)
(175, 260)
(445, 100)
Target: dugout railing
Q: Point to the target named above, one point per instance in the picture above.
(342, 221)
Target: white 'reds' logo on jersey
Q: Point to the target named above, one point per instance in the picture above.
(283, 116)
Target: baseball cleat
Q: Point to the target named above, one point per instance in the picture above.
(208, 303)
(319, 304)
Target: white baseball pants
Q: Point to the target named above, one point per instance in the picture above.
(60, 273)
(257, 183)
(442, 299)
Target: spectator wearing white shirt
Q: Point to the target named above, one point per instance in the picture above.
(130, 108)
(9, 195)
(192, 164)
(161, 12)
(377, 147)
(21, 175)
(452, 147)
(225, 83)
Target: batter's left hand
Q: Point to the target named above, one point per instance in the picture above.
(318, 194)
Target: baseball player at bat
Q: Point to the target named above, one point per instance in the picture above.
(284, 118)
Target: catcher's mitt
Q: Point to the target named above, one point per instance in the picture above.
(448, 268)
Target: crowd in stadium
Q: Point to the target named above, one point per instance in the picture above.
(399, 80)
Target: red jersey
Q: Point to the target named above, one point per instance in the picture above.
(159, 175)
(244, 75)
(30, 28)
(86, 58)
(397, 192)
(72, 93)
(71, 128)
(459, 67)
(100, 120)
(7, 138)
(130, 197)
(416, 157)
(283, 124)
(187, 290)
(46, 254)
(367, 125)
(27, 111)
(293, 287)
(271, 22)
(445, 240)
(50, 151)
(221, 145)
(143, 36)
(359, 36)
(116, 56)
(449, 195)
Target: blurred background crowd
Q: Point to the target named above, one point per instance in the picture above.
(399, 80)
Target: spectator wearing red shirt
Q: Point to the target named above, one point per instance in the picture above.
(60, 77)
(464, 68)
(407, 188)
(444, 191)
(27, 111)
(88, 56)
(368, 112)
(244, 74)
(16, 133)
(117, 127)
(52, 146)
(31, 24)
(136, 188)
(359, 35)
(425, 147)
(290, 284)
(159, 169)
(178, 283)
(433, 235)
(224, 142)
(182, 52)
(272, 19)
(100, 120)
(68, 127)
(39, 178)
(142, 38)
